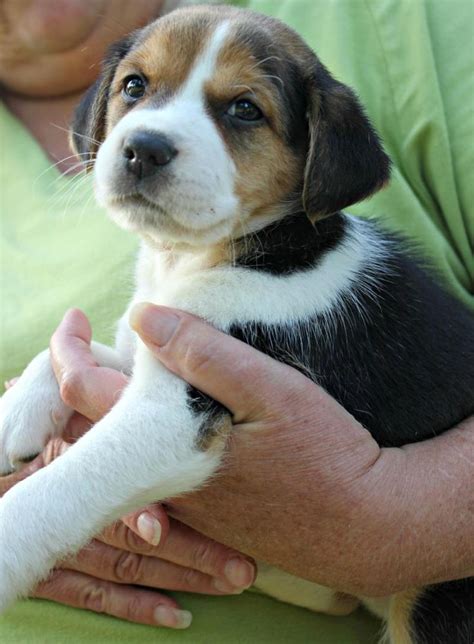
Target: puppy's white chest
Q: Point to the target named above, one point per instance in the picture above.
(170, 280)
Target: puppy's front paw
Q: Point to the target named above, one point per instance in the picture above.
(31, 412)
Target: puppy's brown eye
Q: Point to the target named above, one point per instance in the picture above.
(245, 110)
(134, 87)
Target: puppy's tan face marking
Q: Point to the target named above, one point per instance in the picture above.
(164, 55)
(268, 167)
(196, 65)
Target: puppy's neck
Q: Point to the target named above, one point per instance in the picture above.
(289, 244)
(175, 256)
(292, 243)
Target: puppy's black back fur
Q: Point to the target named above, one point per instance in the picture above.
(398, 353)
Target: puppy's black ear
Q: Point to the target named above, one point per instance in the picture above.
(88, 126)
(346, 161)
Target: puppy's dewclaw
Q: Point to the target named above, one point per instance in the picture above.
(227, 146)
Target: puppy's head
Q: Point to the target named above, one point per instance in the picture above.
(211, 121)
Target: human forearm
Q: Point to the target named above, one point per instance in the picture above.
(432, 538)
(407, 521)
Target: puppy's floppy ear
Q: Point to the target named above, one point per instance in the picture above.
(88, 126)
(346, 162)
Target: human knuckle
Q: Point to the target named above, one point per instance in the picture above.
(93, 596)
(134, 608)
(70, 386)
(128, 567)
(195, 359)
(202, 555)
(191, 579)
(51, 587)
(112, 532)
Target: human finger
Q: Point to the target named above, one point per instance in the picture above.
(125, 567)
(180, 544)
(127, 602)
(86, 387)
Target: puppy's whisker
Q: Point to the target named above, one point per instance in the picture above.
(82, 136)
(72, 169)
(62, 189)
(67, 192)
(265, 60)
(85, 166)
(246, 87)
(86, 205)
(82, 172)
(277, 78)
(53, 165)
(73, 191)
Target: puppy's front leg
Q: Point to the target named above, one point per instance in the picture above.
(146, 449)
(32, 411)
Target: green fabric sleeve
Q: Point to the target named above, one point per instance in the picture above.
(412, 67)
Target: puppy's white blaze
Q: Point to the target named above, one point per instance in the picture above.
(205, 65)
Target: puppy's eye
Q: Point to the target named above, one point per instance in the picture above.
(134, 87)
(245, 110)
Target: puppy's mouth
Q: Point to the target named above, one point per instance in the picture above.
(135, 200)
(135, 212)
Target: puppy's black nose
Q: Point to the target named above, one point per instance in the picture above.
(146, 152)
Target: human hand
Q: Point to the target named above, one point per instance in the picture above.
(304, 486)
(261, 480)
(112, 573)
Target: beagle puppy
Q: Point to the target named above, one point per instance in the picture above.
(219, 137)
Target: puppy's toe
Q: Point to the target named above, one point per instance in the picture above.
(29, 417)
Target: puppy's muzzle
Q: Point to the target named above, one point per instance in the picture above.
(145, 153)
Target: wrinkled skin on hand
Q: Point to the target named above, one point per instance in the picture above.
(121, 570)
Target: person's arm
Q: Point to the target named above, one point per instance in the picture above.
(305, 486)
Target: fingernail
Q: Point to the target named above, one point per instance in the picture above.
(155, 323)
(173, 617)
(239, 573)
(149, 528)
(224, 587)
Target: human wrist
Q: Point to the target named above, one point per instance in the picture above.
(416, 509)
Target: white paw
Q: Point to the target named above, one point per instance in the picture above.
(31, 412)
